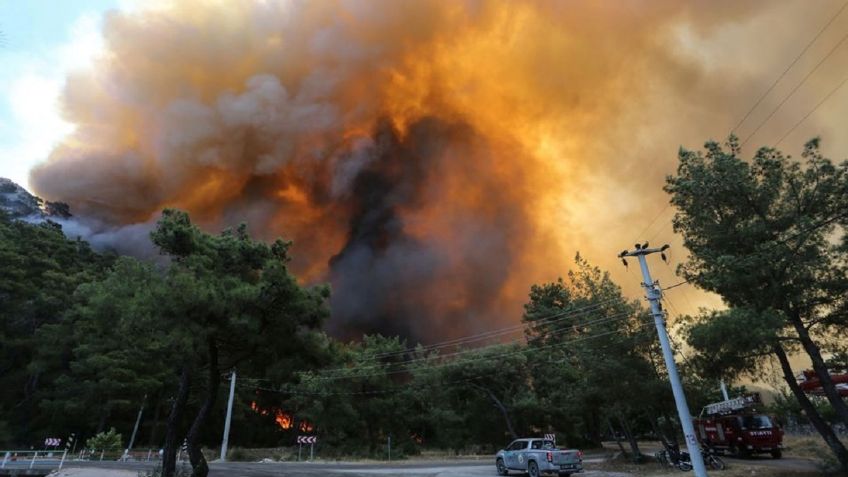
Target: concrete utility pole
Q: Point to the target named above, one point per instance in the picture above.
(229, 418)
(135, 429)
(652, 292)
(724, 391)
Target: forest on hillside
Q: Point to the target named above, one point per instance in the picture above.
(87, 338)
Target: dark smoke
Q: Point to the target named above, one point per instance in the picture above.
(386, 280)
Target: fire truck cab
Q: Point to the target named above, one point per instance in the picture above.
(735, 426)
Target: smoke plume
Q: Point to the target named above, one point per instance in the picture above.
(430, 158)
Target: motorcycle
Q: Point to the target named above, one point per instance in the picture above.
(711, 460)
(673, 457)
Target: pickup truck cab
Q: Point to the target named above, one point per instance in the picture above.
(537, 457)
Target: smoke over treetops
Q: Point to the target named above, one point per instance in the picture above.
(431, 159)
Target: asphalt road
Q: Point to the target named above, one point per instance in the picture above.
(451, 468)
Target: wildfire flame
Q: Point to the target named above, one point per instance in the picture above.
(282, 418)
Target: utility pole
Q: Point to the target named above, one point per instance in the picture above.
(229, 418)
(135, 429)
(724, 391)
(652, 292)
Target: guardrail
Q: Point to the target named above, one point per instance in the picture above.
(32, 456)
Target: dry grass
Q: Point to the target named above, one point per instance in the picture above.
(733, 470)
(622, 467)
(807, 447)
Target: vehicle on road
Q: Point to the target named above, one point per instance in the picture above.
(538, 457)
(736, 427)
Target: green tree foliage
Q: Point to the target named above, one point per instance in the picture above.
(765, 235)
(120, 350)
(593, 354)
(231, 301)
(105, 441)
(41, 270)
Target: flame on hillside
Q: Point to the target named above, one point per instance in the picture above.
(283, 419)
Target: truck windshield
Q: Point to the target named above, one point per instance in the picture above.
(758, 421)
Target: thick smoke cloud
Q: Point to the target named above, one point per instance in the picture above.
(430, 158)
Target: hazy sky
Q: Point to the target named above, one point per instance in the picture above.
(41, 41)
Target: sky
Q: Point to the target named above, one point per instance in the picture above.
(41, 41)
(557, 123)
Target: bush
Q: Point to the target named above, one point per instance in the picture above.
(110, 440)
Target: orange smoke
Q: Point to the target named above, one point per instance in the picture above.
(430, 158)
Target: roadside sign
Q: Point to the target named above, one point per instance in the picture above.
(551, 437)
(52, 442)
(307, 439)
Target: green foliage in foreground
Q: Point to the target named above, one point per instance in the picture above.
(104, 441)
(769, 236)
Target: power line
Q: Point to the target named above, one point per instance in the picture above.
(769, 90)
(831, 93)
(639, 236)
(406, 387)
(453, 363)
(500, 331)
(336, 371)
(789, 67)
(819, 225)
(792, 93)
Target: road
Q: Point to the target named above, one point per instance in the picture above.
(452, 468)
(446, 468)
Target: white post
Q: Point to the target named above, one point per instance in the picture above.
(299, 448)
(724, 391)
(101, 454)
(62, 462)
(5, 459)
(390, 447)
(311, 451)
(652, 292)
(135, 428)
(149, 451)
(229, 418)
(33, 459)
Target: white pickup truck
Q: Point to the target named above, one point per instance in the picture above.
(537, 457)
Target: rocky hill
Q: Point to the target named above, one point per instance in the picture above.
(20, 204)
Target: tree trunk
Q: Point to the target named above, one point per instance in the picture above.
(104, 415)
(594, 427)
(498, 404)
(172, 427)
(810, 410)
(153, 440)
(615, 436)
(631, 439)
(199, 467)
(812, 349)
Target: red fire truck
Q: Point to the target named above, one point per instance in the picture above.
(735, 426)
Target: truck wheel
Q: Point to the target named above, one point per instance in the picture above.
(776, 454)
(533, 469)
(501, 467)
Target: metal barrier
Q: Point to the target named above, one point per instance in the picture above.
(32, 456)
(55, 456)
